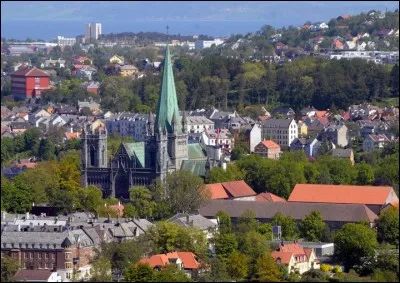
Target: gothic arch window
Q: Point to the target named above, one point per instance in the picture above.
(92, 156)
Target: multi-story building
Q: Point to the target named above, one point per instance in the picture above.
(62, 41)
(29, 83)
(221, 137)
(337, 134)
(281, 131)
(201, 44)
(268, 149)
(373, 142)
(198, 124)
(93, 30)
(128, 70)
(128, 124)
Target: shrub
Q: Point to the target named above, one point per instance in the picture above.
(325, 267)
(337, 269)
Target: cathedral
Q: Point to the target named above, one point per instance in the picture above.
(164, 150)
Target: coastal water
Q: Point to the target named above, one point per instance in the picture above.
(48, 30)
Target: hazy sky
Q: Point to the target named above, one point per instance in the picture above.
(291, 12)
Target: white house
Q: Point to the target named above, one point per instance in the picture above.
(220, 137)
(255, 136)
(198, 124)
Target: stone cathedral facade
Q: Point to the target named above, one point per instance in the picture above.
(164, 150)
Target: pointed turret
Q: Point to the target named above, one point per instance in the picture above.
(167, 102)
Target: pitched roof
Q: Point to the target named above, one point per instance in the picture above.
(195, 151)
(342, 153)
(238, 188)
(73, 135)
(269, 197)
(198, 221)
(297, 210)
(284, 257)
(270, 144)
(197, 167)
(279, 123)
(27, 165)
(188, 259)
(32, 275)
(340, 194)
(136, 149)
(34, 72)
(217, 191)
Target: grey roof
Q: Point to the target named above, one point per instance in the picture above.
(283, 110)
(297, 210)
(199, 221)
(198, 120)
(342, 153)
(277, 123)
(52, 238)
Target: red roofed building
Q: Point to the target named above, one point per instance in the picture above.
(29, 83)
(186, 261)
(374, 197)
(81, 60)
(337, 44)
(237, 190)
(268, 197)
(269, 149)
(296, 258)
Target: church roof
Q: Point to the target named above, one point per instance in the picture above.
(195, 152)
(136, 149)
(197, 167)
(167, 103)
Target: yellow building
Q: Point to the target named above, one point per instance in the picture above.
(128, 70)
(302, 129)
(117, 60)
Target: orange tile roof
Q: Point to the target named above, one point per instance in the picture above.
(73, 135)
(270, 144)
(27, 165)
(238, 189)
(268, 197)
(217, 191)
(321, 113)
(284, 257)
(188, 259)
(340, 194)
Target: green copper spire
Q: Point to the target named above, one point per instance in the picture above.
(167, 102)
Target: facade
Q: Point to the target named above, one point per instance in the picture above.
(129, 124)
(199, 124)
(201, 44)
(373, 142)
(29, 83)
(52, 63)
(344, 153)
(337, 134)
(296, 257)
(254, 136)
(128, 70)
(268, 149)
(281, 131)
(164, 150)
(93, 30)
(221, 137)
(62, 41)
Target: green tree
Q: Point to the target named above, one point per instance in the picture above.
(312, 226)
(267, 270)
(93, 198)
(171, 273)
(365, 175)
(355, 244)
(217, 272)
(314, 275)
(219, 175)
(185, 191)
(9, 267)
(247, 222)
(388, 226)
(225, 245)
(130, 211)
(238, 266)
(224, 222)
(46, 149)
(140, 272)
(288, 225)
(140, 198)
(101, 270)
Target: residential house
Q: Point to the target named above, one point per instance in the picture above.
(309, 111)
(268, 149)
(38, 275)
(92, 105)
(335, 215)
(285, 112)
(312, 147)
(337, 44)
(128, 70)
(49, 63)
(86, 73)
(81, 60)
(198, 124)
(234, 190)
(38, 114)
(298, 144)
(350, 45)
(254, 136)
(374, 197)
(128, 124)
(93, 88)
(337, 134)
(220, 137)
(186, 261)
(297, 258)
(29, 83)
(302, 128)
(18, 128)
(344, 153)
(373, 142)
(115, 59)
(281, 131)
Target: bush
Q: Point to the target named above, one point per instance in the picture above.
(325, 267)
(337, 269)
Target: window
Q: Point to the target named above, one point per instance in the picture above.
(25, 255)
(68, 275)
(37, 80)
(39, 255)
(46, 255)
(67, 255)
(31, 255)
(68, 265)
(53, 256)
(46, 266)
